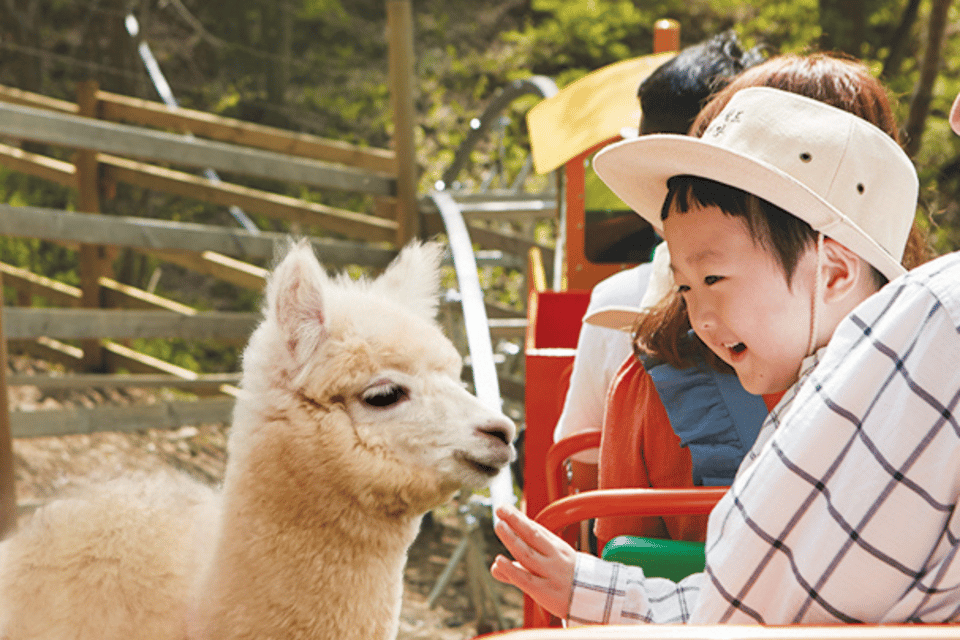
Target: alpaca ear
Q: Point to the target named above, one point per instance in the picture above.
(413, 278)
(295, 300)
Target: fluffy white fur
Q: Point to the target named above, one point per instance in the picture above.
(352, 423)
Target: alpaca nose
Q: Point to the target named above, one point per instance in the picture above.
(502, 429)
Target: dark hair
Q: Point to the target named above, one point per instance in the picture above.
(672, 96)
(782, 234)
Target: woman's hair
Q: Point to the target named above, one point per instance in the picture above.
(844, 83)
(663, 331)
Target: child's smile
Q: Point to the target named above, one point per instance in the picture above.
(738, 298)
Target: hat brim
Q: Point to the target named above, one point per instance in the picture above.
(955, 115)
(621, 318)
(637, 171)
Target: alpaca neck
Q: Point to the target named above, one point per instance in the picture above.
(292, 563)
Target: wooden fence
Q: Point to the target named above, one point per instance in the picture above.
(117, 139)
(108, 152)
(113, 139)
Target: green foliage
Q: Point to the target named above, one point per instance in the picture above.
(783, 25)
(38, 256)
(465, 51)
(580, 34)
(329, 10)
(195, 355)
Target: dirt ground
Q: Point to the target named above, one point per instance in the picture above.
(46, 467)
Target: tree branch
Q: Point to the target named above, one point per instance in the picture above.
(899, 40)
(929, 66)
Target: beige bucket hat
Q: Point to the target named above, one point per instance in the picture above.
(839, 173)
(659, 284)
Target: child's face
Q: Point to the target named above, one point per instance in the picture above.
(738, 299)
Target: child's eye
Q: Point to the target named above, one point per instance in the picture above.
(682, 288)
(712, 280)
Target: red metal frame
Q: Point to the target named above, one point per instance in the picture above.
(601, 503)
(580, 272)
(554, 319)
(558, 453)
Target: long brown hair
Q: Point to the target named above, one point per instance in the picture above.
(662, 331)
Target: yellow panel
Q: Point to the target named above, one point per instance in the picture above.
(593, 109)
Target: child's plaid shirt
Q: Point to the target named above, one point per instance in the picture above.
(844, 512)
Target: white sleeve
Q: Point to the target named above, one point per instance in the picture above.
(600, 352)
(612, 593)
(848, 513)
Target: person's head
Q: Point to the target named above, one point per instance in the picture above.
(779, 221)
(672, 96)
(662, 330)
(841, 82)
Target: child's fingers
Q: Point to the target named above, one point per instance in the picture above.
(505, 570)
(534, 535)
(517, 546)
(542, 558)
(509, 571)
(552, 594)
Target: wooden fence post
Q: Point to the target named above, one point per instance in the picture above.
(8, 486)
(94, 260)
(400, 38)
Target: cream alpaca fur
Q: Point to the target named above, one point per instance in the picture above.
(352, 423)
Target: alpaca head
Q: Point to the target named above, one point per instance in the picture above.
(351, 386)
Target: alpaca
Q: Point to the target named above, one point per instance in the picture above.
(351, 424)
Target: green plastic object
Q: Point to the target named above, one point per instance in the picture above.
(673, 559)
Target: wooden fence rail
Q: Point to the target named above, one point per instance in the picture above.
(119, 108)
(120, 324)
(159, 415)
(182, 237)
(38, 125)
(118, 138)
(236, 147)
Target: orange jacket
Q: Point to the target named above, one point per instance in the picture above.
(638, 448)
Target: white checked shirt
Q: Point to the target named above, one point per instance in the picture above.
(845, 512)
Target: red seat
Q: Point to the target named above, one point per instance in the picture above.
(572, 509)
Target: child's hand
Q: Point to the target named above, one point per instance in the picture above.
(543, 563)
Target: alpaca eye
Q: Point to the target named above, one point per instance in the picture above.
(384, 395)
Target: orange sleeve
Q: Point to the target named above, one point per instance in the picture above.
(771, 399)
(638, 448)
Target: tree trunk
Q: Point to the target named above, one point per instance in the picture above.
(929, 66)
(20, 23)
(842, 24)
(277, 31)
(900, 39)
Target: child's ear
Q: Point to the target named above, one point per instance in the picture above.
(843, 272)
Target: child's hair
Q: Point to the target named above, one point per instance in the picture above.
(663, 331)
(672, 96)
